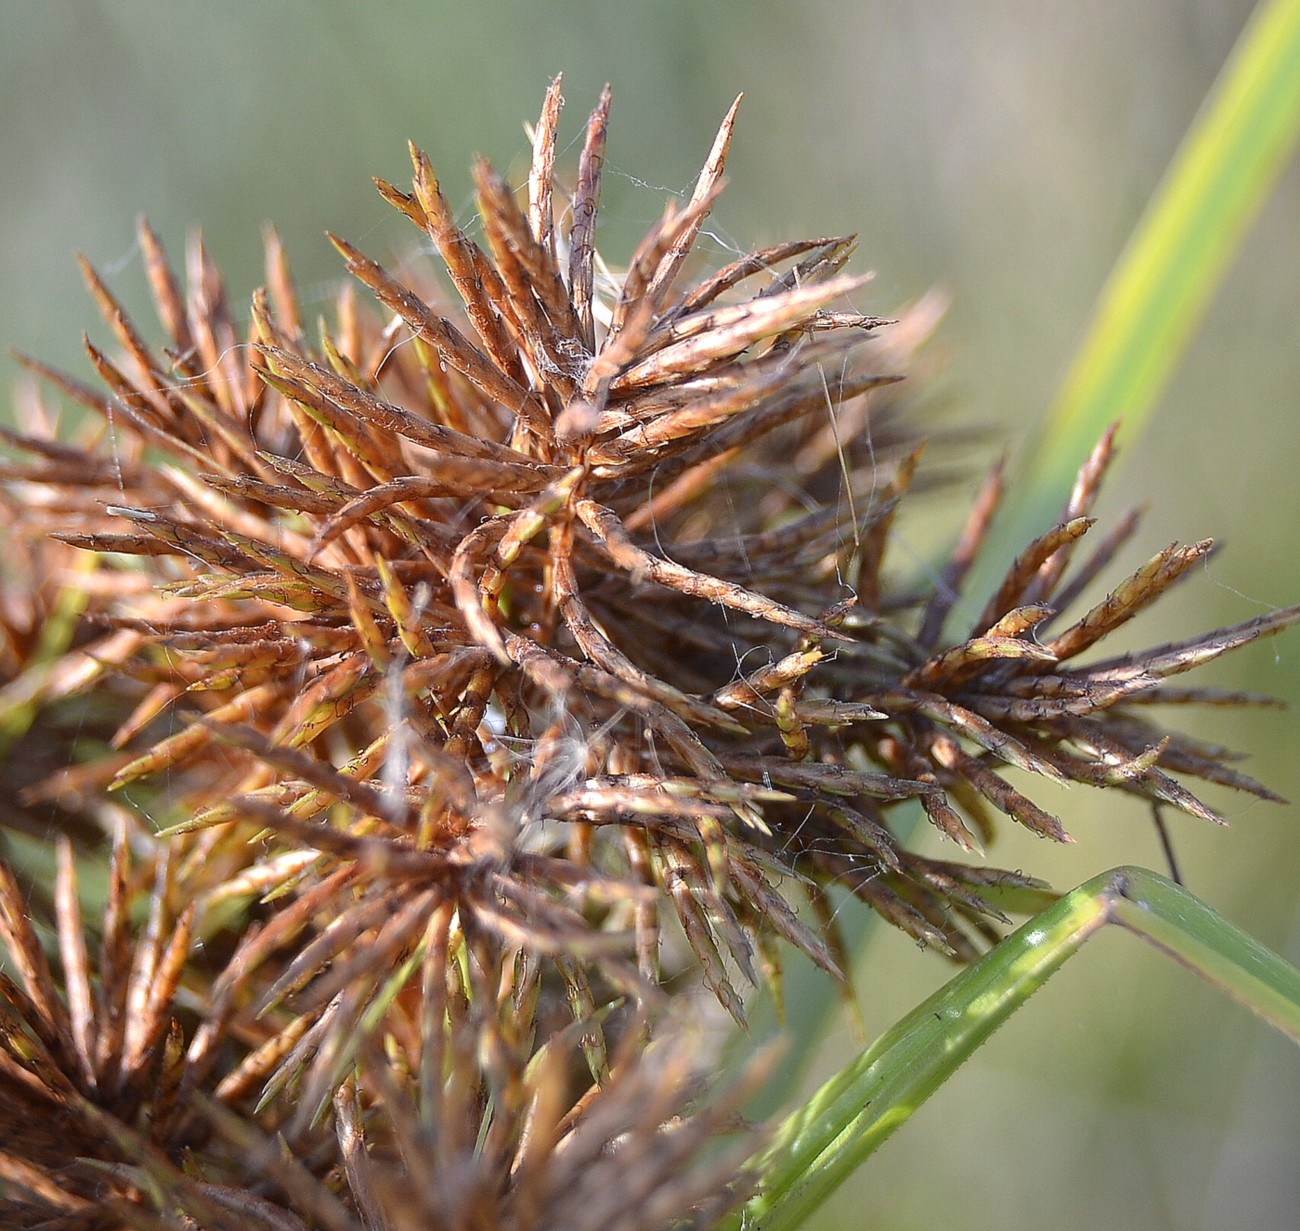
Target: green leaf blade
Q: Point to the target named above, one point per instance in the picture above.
(820, 1145)
(1161, 287)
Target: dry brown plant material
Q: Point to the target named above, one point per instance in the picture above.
(461, 652)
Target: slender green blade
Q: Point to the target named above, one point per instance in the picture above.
(1192, 933)
(1162, 284)
(821, 1144)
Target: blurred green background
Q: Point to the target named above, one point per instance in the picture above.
(1000, 151)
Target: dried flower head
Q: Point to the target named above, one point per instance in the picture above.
(469, 1116)
(466, 651)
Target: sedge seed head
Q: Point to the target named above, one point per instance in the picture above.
(465, 649)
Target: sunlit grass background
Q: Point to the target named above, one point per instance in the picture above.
(1000, 151)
